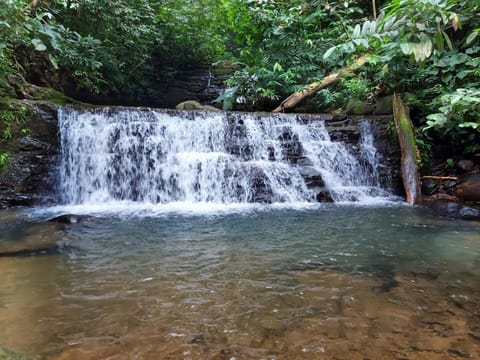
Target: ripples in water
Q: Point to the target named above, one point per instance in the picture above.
(324, 283)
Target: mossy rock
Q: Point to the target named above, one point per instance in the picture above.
(50, 95)
(357, 107)
(18, 88)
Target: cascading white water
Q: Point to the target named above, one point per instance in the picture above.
(150, 156)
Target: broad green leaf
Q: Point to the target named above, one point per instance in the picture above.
(53, 61)
(356, 31)
(329, 52)
(439, 40)
(277, 67)
(39, 45)
(447, 40)
(389, 22)
(469, 124)
(406, 48)
(473, 35)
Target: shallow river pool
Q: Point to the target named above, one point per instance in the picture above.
(330, 282)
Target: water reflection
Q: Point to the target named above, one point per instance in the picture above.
(348, 283)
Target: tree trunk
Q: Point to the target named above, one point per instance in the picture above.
(409, 160)
(297, 97)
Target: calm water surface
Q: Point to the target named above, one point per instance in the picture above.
(335, 282)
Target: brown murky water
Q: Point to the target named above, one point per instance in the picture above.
(335, 283)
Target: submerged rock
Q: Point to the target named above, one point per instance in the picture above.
(455, 210)
(23, 238)
(6, 354)
(69, 219)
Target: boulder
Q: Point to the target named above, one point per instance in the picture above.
(357, 107)
(455, 210)
(195, 105)
(465, 165)
(469, 188)
(446, 208)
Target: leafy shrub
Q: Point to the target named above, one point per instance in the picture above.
(458, 119)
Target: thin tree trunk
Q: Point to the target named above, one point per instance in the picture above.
(409, 160)
(297, 97)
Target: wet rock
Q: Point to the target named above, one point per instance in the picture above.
(469, 213)
(346, 134)
(29, 143)
(455, 210)
(262, 192)
(31, 170)
(469, 188)
(429, 187)
(446, 208)
(449, 184)
(324, 196)
(304, 161)
(465, 165)
(312, 177)
(291, 146)
(69, 219)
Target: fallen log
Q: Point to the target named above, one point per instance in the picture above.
(408, 147)
(297, 97)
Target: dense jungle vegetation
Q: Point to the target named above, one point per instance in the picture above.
(128, 49)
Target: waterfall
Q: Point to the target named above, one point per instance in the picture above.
(155, 156)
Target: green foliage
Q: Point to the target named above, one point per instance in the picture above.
(281, 45)
(348, 88)
(3, 159)
(128, 50)
(429, 48)
(10, 117)
(458, 119)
